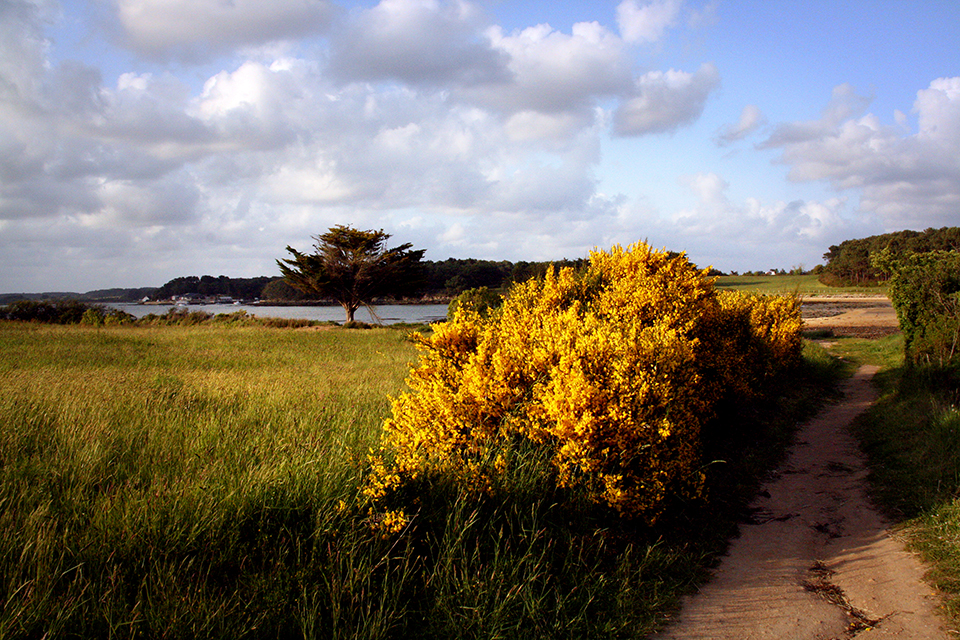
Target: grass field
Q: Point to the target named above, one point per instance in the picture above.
(168, 481)
(784, 285)
(204, 482)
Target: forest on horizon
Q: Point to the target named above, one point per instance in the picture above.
(846, 264)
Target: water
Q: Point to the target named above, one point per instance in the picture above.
(388, 313)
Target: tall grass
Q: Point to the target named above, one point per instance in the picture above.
(205, 482)
(174, 482)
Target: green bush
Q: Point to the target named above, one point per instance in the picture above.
(925, 291)
(480, 300)
(178, 316)
(46, 311)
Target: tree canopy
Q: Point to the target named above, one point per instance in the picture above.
(353, 267)
(849, 263)
(242, 288)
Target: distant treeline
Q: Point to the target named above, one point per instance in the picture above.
(848, 264)
(445, 278)
(238, 288)
(441, 279)
(100, 295)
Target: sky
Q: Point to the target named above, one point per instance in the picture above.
(144, 140)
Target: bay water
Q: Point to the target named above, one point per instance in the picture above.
(385, 314)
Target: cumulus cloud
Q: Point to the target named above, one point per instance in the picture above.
(666, 101)
(938, 110)
(646, 21)
(420, 115)
(193, 30)
(553, 72)
(125, 204)
(752, 234)
(844, 104)
(418, 42)
(750, 120)
(909, 181)
(716, 216)
(23, 48)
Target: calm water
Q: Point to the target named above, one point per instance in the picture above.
(388, 314)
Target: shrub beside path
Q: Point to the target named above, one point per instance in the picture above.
(817, 561)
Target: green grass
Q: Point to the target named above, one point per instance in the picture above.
(205, 482)
(169, 482)
(787, 284)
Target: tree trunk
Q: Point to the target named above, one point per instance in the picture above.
(350, 309)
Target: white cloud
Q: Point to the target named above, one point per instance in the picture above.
(750, 120)
(908, 181)
(536, 126)
(193, 30)
(666, 101)
(314, 181)
(646, 21)
(751, 234)
(23, 48)
(123, 203)
(553, 72)
(844, 104)
(715, 216)
(938, 109)
(429, 112)
(431, 42)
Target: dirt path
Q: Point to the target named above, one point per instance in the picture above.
(817, 561)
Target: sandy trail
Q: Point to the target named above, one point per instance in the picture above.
(818, 560)
(863, 316)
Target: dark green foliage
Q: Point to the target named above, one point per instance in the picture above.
(99, 295)
(48, 312)
(99, 316)
(72, 312)
(280, 289)
(177, 316)
(849, 263)
(459, 275)
(118, 295)
(353, 267)
(442, 279)
(240, 288)
(481, 300)
(454, 276)
(925, 291)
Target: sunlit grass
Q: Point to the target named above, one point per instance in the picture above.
(143, 467)
(792, 284)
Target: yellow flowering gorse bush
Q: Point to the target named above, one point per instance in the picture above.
(615, 369)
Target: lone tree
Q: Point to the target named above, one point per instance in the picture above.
(353, 267)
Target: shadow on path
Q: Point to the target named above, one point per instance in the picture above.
(817, 560)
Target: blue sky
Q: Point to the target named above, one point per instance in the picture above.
(142, 140)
